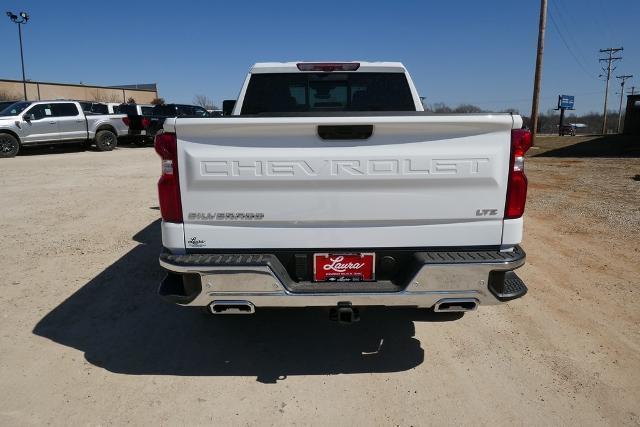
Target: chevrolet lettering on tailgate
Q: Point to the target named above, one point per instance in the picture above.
(341, 168)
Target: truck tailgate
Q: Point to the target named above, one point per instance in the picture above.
(417, 181)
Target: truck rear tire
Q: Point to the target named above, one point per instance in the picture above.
(106, 140)
(9, 145)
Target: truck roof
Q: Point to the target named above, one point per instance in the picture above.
(292, 67)
(52, 101)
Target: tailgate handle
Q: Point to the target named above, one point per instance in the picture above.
(345, 131)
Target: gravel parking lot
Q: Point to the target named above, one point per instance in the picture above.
(85, 340)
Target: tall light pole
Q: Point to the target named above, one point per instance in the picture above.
(20, 20)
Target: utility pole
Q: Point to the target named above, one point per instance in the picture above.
(632, 91)
(538, 75)
(610, 51)
(622, 79)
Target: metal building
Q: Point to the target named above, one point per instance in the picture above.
(632, 116)
(13, 89)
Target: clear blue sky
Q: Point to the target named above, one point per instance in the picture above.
(479, 52)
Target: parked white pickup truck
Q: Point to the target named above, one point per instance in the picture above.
(330, 186)
(29, 123)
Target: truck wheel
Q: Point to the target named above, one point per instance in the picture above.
(9, 145)
(106, 140)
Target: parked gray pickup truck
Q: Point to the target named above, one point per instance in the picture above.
(28, 123)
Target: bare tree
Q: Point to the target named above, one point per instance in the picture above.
(439, 107)
(113, 97)
(102, 96)
(467, 108)
(157, 101)
(131, 100)
(97, 95)
(8, 96)
(205, 102)
(510, 110)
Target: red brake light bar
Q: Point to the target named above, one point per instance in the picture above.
(517, 186)
(168, 186)
(328, 66)
(520, 141)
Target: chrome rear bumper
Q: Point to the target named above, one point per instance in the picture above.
(200, 279)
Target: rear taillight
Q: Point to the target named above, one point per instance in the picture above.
(517, 186)
(126, 120)
(328, 66)
(166, 146)
(145, 122)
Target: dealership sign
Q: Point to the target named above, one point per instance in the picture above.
(565, 102)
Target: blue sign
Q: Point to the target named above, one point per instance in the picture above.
(566, 102)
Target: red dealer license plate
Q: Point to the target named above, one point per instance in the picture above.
(358, 267)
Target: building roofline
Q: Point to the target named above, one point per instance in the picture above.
(79, 85)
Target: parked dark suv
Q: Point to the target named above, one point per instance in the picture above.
(567, 130)
(179, 110)
(143, 128)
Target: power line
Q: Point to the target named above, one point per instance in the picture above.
(610, 59)
(562, 13)
(604, 23)
(495, 101)
(560, 17)
(555, 25)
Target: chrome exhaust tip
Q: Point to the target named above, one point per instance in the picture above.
(457, 305)
(231, 307)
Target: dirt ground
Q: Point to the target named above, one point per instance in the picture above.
(85, 340)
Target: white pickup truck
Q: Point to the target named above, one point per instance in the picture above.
(28, 123)
(330, 186)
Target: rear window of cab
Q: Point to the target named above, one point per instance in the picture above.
(308, 92)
